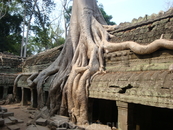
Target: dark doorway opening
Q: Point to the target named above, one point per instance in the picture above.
(27, 96)
(46, 94)
(162, 118)
(152, 118)
(19, 94)
(10, 90)
(1, 92)
(104, 112)
(34, 98)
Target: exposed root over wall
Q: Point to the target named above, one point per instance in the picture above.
(80, 59)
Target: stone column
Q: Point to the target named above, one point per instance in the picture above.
(33, 98)
(125, 116)
(5, 92)
(23, 101)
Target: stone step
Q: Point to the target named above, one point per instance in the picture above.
(13, 119)
(41, 121)
(7, 121)
(4, 109)
(7, 114)
(13, 127)
(37, 127)
(20, 121)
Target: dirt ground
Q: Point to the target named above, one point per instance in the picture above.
(20, 112)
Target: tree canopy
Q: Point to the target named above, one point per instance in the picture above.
(32, 18)
(25, 26)
(106, 16)
(10, 28)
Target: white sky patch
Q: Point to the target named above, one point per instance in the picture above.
(126, 10)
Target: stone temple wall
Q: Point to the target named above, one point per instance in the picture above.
(10, 66)
(10, 63)
(42, 60)
(152, 85)
(146, 29)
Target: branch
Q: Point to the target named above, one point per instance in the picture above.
(1, 11)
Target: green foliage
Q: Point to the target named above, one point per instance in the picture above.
(43, 35)
(10, 32)
(40, 27)
(106, 16)
(45, 40)
(67, 14)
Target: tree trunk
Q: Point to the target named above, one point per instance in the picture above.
(80, 59)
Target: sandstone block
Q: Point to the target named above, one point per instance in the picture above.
(4, 109)
(13, 119)
(37, 127)
(13, 127)
(7, 114)
(41, 121)
(7, 121)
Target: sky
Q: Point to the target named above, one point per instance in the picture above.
(126, 10)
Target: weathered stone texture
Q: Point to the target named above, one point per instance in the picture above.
(128, 61)
(7, 79)
(42, 60)
(153, 88)
(146, 30)
(141, 79)
(10, 63)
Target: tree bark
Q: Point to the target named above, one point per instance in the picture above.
(80, 59)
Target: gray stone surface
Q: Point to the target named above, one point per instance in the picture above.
(37, 127)
(7, 114)
(13, 127)
(1, 122)
(4, 109)
(13, 119)
(7, 121)
(60, 121)
(41, 121)
(20, 121)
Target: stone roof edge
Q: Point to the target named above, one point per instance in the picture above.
(144, 20)
(46, 51)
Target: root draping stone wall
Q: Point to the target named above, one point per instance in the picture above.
(133, 78)
(10, 66)
(146, 29)
(130, 77)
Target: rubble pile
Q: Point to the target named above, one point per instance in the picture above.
(8, 119)
(41, 120)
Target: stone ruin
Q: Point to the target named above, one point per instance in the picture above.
(134, 94)
(10, 66)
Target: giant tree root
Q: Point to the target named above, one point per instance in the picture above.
(80, 59)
